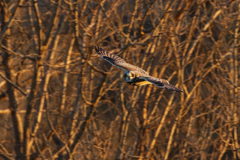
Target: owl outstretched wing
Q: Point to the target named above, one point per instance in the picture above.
(162, 83)
(117, 61)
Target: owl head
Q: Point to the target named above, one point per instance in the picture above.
(129, 76)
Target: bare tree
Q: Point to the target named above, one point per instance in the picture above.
(60, 100)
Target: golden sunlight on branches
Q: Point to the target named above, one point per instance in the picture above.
(60, 100)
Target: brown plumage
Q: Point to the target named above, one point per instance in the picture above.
(134, 75)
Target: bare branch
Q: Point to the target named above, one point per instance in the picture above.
(14, 85)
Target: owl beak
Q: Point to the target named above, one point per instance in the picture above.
(129, 76)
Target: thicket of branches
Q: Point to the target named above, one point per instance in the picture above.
(60, 100)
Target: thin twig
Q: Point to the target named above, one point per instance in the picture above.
(14, 85)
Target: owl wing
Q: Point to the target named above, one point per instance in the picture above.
(162, 83)
(117, 61)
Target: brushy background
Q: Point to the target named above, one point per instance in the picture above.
(60, 100)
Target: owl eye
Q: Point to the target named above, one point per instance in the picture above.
(125, 75)
(132, 75)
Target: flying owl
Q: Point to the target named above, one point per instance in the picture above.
(134, 75)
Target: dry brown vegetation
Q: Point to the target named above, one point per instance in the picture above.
(60, 100)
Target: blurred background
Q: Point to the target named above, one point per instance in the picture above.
(60, 100)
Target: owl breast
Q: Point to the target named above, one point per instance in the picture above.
(138, 82)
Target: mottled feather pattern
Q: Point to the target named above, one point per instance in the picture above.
(108, 56)
(134, 75)
(117, 61)
(172, 88)
(155, 81)
(133, 68)
(163, 84)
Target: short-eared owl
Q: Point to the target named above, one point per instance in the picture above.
(134, 75)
